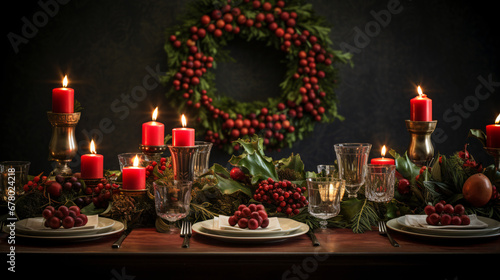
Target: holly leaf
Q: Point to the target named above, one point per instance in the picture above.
(226, 184)
(479, 135)
(293, 162)
(258, 166)
(253, 159)
(405, 166)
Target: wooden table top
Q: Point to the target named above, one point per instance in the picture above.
(145, 252)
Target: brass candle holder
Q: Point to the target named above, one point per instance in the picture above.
(62, 146)
(495, 153)
(152, 153)
(421, 150)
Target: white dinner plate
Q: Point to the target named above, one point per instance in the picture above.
(115, 228)
(198, 228)
(396, 226)
(287, 226)
(103, 225)
(492, 226)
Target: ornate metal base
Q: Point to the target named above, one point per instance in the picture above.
(421, 150)
(495, 153)
(153, 153)
(133, 193)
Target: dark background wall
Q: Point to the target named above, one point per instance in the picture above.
(108, 47)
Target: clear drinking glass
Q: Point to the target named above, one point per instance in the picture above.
(326, 170)
(380, 182)
(172, 199)
(201, 161)
(127, 159)
(352, 159)
(13, 174)
(325, 194)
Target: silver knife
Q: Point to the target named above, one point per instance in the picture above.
(124, 235)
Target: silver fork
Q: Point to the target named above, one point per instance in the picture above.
(186, 232)
(382, 230)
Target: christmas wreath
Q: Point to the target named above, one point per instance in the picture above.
(307, 97)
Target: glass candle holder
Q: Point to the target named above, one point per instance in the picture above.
(326, 170)
(325, 194)
(380, 181)
(201, 161)
(127, 159)
(352, 159)
(13, 174)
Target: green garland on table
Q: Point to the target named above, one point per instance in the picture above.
(196, 45)
(217, 193)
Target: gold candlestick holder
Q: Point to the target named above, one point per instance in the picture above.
(62, 146)
(421, 150)
(495, 153)
(152, 153)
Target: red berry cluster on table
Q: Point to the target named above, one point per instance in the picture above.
(64, 216)
(445, 214)
(253, 217)
(307, 90)
(287, 197)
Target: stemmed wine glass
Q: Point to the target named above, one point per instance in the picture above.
(352, 159)
(324, 197)
(172, 200)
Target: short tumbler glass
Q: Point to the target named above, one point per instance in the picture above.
(380, 181)
(324, 197)
(14, 177)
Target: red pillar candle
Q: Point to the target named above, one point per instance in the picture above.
(383, 160)
(134, 177)
(153, 132)
(63, 99)
(493, 134)
(92, 164)
(421, 107)
(183, 136)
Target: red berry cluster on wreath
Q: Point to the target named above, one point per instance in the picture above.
(271, 123)
(287, 197)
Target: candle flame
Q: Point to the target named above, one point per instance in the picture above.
(92, 147)
(136, 161)
(384, 150)
(65, 81)
(183, 120)
(498, 119)
(419, 90)
(155, 114)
